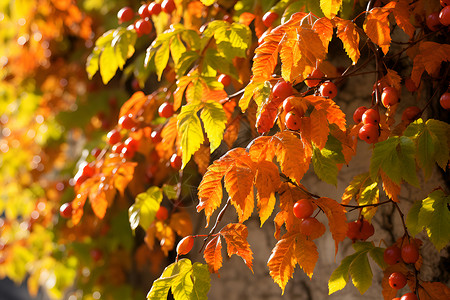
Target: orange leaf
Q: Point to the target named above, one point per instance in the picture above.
(266, 116)
(337, 220)
(236, 237)
(213, 254)
(347, 33)
(324, 28)
(402, 16)
(391, 189)
(267, 181)
(393, 79)
(182, 84)
(77, 207)
(306, 254)
(261, 149)
(202, 158)
(430, 57)
(433, 291)
(292, 155)
(282, 260)
(232, 131)
(134, 104)
(169, 135)
(210, 188)
(319, 128)
(123, 176)
(100, 195)
(333, 111)
(181, 223)
(239, 185)
(377, 28)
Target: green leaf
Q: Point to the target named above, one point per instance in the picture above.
(339, 277)
(441, 131)
(185, 61)
(252, 90)
(123, 44)
(144, 209)
(395, 156)
(377, 254)
(412, 220)
(333, 150)
(170, 191)
(186, 281)
(177, 48)
(190, 130)
(325, 166)
(425, 152)
(214, 120)
(92, 63)
(361, 272)
(435, 216)
(370, 194)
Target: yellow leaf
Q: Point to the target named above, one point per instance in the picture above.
(190, 131)
(330, 8)
(282, 260)
(377, 28)
(324, 28)
(267, 181)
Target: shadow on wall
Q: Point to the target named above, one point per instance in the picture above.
(11, 291)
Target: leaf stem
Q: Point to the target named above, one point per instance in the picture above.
(219, 218)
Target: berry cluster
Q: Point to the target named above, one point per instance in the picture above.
(143, 25)
(360, 230)
(303, 209)
(437, 19)
(370, 131)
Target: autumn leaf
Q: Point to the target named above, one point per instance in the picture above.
(429, 58)
(391, 189)
(365, 191)
(289, 194)
(330, 8)
(214, 119)
(143, 211)
(376, 26)
(333, 111)
(320, 128)
(347, 33)
(236, 238)
(337, 219)
(134, 104)
(213, 254)
(181, 223)
(393, 79)
(306, 254)
(77, 207)
(402, 16)
(239, 185)
(324, 28)
(267, 181)
(433, 291)
(169, 135)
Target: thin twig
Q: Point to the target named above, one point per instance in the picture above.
(219, 218)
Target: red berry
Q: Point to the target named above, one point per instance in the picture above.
(66, 210)
(224, 79)
(366, 230)
(165, 110)
(317, 74)
(281, 91)
(328, 89)
(168, 6)
(288, 105)
(397, 280)
(433, 22)
(409, 296)
(411, 113)
(117, 148)
(156, 136)
(162, 214)
(292, 121)
(410, 253)
(113, 137)
(176, 161)
(445, 98)
(309, 226)
(410, 85)
(269, 17)
(303, 208)
(127, 122)
(228, 18)
(143, 11)
(131, 143)
(392, 255)
(96, 254)
(369, 133)
(143, 27)
(371, 116)
(185, 245)
(154, 8)
(353, 230)
(125, 14)
(444, 16)
(389, 96)
(357, 115)
(79, 178)
(128, 152)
